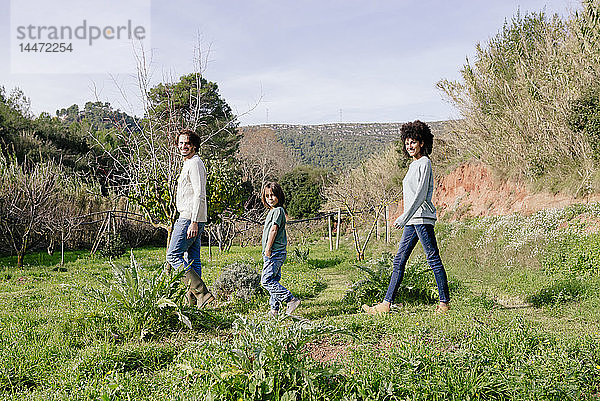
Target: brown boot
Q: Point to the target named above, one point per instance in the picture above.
(204, 300)
(443, 307)
(188, 279)
(380, 308)
(197, 290)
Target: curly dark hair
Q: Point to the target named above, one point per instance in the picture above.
(192, 136)
(277, 191)
(419, 131)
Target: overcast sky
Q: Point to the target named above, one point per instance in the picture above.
(297, 61)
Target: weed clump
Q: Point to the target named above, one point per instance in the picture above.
(417, 285)
(143, 358)
(301, 253)
(150, 304)
(113, 246)
(267, 360)
(561, 292)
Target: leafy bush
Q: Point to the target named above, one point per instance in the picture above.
(113, 246)
(302, 188)
(416, 286)
(238, 280)
(558, 293)
(148, 302)
(584, 117)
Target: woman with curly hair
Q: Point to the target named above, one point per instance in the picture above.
(418, 217)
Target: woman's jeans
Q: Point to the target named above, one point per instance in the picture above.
(270, 277)
(180, 245)
(410, 236)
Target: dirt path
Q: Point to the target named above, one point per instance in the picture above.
(329, 302)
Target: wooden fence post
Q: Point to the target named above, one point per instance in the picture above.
(387, 225)
(376, 223)
(62, 246)
(337, 231)
(329, 227)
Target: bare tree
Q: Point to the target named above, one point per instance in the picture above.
(71, 203)
(262, 157)
(147, 162)
(27, 203)
(364, 192)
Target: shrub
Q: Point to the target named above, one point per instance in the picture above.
(303, 187)
(238, 280)
(584, 117)
(112, 246)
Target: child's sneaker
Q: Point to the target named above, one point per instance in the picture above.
(292, 305)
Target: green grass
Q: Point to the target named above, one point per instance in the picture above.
(518, 328)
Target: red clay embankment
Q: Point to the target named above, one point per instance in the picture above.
(471, 190)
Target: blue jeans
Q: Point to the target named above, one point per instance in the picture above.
(410, 236)
(270, 277)
(180, 246)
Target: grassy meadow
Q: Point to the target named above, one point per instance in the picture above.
(524, 323)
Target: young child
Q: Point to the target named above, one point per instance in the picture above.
(418, 218)
(274, 242)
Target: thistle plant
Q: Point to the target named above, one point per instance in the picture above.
(269, 360)
(417, 283)
(148, 303)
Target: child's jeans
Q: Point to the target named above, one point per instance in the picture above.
(270, 277)
(410, 236)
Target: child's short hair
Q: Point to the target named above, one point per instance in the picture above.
(277, 191)
(420, 132)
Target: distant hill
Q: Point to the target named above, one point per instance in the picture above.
(339, 146)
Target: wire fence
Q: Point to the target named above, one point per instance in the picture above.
(109, 222)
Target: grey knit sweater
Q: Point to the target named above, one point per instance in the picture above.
(417, 188)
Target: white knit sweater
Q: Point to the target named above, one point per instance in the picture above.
(191, 190)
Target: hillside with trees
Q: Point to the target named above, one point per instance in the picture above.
(339, 146)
